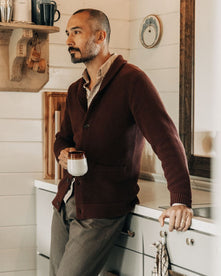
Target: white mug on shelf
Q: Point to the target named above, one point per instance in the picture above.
(22, 11)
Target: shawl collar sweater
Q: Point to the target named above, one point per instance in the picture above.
(111, 131)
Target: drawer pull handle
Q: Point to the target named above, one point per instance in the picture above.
(128, 233)
(163, 234)
(189, 241)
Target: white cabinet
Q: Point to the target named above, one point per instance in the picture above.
(149, 264)
(42, 266)
(189, 251)
(192, 250)
(124, 262)
(44, 218)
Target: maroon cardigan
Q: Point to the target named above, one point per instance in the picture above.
(126, 109)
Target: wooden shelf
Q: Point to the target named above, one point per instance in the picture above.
(15, 49)
(39, 28)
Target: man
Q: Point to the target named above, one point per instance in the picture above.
(108, 113)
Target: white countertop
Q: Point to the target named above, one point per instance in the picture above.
(151, 196)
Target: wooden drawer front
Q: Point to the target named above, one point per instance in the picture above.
(44, 218)
(124, 262)
(192, 250)
(134, 225)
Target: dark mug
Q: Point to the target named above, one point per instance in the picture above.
(35, 11)
(47, 12)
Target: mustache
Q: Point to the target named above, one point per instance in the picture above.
(73, 49)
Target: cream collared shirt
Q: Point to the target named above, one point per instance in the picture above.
(100, 76)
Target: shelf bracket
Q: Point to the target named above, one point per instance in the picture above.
(18, 48)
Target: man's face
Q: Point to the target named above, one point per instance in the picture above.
(82, 38)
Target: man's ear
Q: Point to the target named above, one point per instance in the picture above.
(101, 35)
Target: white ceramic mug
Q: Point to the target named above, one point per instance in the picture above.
(22, 11)
(77, 163)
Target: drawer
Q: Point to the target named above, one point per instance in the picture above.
(44, 218)
(131, 236)
(149, 265)
(146, 232)
(151, 234)
(124, 262)
(42, 266)
(192, 249)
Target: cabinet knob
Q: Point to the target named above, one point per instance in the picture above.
(189, 241)
(163, 234)
(128, 233)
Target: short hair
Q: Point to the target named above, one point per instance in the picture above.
(100, 17)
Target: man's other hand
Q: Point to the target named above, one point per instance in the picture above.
(180, 217)
(63, 157)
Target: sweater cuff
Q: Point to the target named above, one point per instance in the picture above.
(177, 204)
(181, 199)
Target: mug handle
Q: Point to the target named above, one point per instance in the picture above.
(54, 4)
(58, 12)
(59, 15)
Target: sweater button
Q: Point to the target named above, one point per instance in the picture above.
(86, 125)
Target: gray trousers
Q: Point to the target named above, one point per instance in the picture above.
(81, 247)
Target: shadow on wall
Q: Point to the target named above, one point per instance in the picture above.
(204, 143)
(148, 160)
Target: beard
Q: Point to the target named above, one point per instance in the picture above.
(90, 52)
(81, 59)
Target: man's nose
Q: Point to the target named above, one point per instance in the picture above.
(69, 41)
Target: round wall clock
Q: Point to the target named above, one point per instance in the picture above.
(150, 31)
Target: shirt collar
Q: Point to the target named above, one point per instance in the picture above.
(102, 70)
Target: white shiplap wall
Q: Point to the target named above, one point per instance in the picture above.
(21, 158)
(160, 63)
(21, 115)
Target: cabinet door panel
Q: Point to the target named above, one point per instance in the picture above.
(191, 249)
(151, 233)
(133, 224)
(149, 265)
(42, 266)
(183, 272)
(124, 262)
(44, 218)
